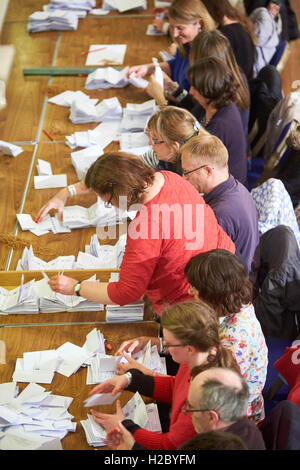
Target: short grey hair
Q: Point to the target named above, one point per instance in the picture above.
(229, 402)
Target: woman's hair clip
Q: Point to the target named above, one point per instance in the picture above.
(196, 126)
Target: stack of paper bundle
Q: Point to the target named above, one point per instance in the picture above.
(57, 20)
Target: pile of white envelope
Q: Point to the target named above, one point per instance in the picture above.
(126, 313)
(56, 20)
(83, 159)
(33, 419)
(136, 116)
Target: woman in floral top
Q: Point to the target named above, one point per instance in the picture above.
(219, 278)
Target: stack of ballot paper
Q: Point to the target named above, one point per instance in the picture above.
(22, 299)
(56, 20)
(107, 77)
(45, 226)
(102, 135)
(50, 301)
(83, 159)
(44, 168)
(106, 54)
(131, 140)
(145, 416)
(104, 78)
(34, 419)
(30, 262)
(84, 111)
(136, 116)
(126, 313)
(110, 255)
(40, 366)
(84, 5)
(50, 181)
(10, 149)
(96, 215)
(67, 97)
(124, 5)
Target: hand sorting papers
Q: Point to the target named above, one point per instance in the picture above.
(143, 415)
(104, 54)
(10, 149)
(38, 297)
(104, 78)
(33, 420)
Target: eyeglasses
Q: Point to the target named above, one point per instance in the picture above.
(167, 346)
(154, 141)
(187, 172)
(186, 408)
(108, 204)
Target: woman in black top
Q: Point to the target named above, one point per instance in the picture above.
(239, 29)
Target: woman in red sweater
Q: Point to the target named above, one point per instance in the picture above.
(172, 224)
(190, 331)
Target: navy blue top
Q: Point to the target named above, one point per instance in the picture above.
(179, 66)
(226, 124)
(236, 212)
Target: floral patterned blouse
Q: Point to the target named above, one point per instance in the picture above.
(242, 333)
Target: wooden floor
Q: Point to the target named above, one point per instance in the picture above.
(22, 123)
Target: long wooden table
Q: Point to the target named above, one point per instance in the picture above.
(15, 340)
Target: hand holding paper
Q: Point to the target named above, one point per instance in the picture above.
(113, 386)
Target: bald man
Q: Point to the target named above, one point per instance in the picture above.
(218, 399)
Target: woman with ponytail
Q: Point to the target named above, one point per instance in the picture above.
(221, 280)
(190, 331)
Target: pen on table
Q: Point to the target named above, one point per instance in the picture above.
(48, 135)
(93, 50)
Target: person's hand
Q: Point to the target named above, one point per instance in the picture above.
(113, 386)
(119, 438)
(139, 70)
(132, 364)
(57, 202)
(169, 84)
(133, 345)
(155, 90)
(108, 421)
(62, 284)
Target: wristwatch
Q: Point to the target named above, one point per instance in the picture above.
(76, 288)
(129, 377)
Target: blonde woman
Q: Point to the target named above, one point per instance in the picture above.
(168, 130)
(191, 336)
(187, 18)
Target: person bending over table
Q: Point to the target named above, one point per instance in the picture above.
(191, 335)
(168, 130)
(187, 18)
(172, 224)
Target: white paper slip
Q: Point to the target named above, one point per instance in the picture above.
(100, 399)
(125, 5)
(26, 222)
(44, 168)
(138, 82)
(158, 73)
(10, 149)
(106, 54)
(99, 11)
(53, 181)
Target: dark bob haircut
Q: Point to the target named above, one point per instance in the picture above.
(213, 79)
(120, 174)
(221, 280)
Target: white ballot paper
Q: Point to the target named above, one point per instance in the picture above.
(100, 399)
(44, 168)
(34, 419)
(50, 181)
(10, 149)
(104, 54)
